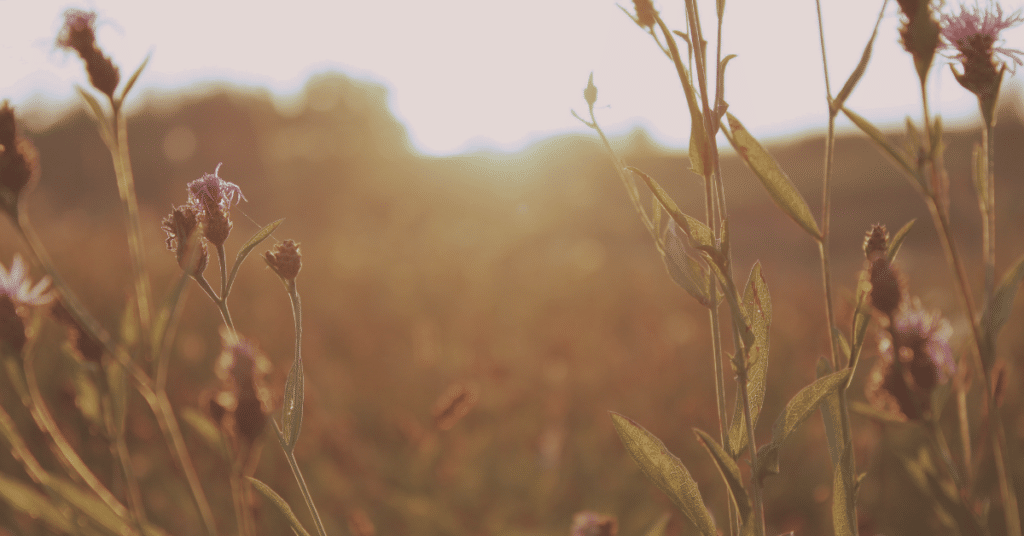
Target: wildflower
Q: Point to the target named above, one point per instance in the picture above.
(644, 13)
(211, 197)
(593, 524)
(974, 34)
(286, 260)
(180, 225)
(919, 34)
(79, 34)
(16, 293)
(19, 162)
(244, 400)
(915, 358)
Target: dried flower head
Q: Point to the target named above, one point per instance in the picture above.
(79, 34)
(211, 198)
(644, 13)
(285, 260)
(915, 358)
(593, 524)
(919, 33)
(887, 287)
(180, 225)
(244, 397)
(974, 35)
(19, 162)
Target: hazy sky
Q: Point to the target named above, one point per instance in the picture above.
(466, 74)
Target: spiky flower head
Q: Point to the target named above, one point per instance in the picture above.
(79, 34)
(973, 35)
(211, 197)
(19, 162)
(644, 13)
(919, 34)
(285, 260)
(916, 357)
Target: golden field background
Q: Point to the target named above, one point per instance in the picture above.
(526, 278)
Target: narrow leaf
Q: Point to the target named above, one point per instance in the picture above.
(291, 419)
(101, 117)
(861, 319)
(895, 154)
(730, 473)
(781, 189)
(206, 429)
(797, 410)
(830, 415)
(666, 471)
(684, 269)
(861, 66)
(897, 240)
(134, 77)
(260, 236)
(997, 312)
(698, 232)
(844, 513)
(25, 499)
(757, 311)
(281, 504)
(117, 382)
(89, 505)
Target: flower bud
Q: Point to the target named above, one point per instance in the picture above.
(79, 34)
(180, 227)
(285, 260)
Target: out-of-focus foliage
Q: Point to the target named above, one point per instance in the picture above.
(523, 278)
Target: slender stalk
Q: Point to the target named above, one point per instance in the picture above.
(44, 419)
(126, 189)
(238, 495)
(751, 444)
(988, 222)
(302, 485)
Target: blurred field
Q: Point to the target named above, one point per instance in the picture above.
(527, 278)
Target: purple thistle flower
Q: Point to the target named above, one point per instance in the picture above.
(975, 31)
(15, 285)
(209, 192)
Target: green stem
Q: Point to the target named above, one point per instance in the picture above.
(988, 222)
(302, 485)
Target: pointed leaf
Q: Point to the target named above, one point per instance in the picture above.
(684, 269)
(291, 418)
(757, 311)
(897, 156)
(260, 236)
(666, 471)
(861, 319)
(730, 473)
(997, 312)
(897, 240)
(698, 232)
(781, 189)
(206, 429)
(101, 117)
(797, 410)
(281, 504)
(25, 499)
(859, 70)
(134, 77)
(830, 415)
(844, 508)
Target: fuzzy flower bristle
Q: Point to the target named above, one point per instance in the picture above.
(211, 198)
(974, 35)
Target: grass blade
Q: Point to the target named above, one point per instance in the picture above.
(27, 500)
(730, 474)
(281, 504)
(997, 312)
(897, 240)
(666, 471)
(895, 154)
(781, 189)
(844, 514)
(851, 82)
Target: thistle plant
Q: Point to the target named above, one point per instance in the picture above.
(72, 498)
(918, 370)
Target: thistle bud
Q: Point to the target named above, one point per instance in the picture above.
(285, 260)
(180, 226)
(876, 243)
(590, 92)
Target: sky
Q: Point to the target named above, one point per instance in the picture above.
(468, 75)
